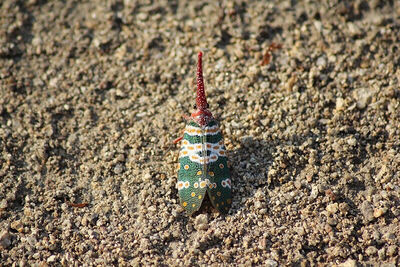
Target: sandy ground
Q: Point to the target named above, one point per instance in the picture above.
(92, 94)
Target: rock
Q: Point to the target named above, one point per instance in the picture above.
(52, 258)
(17, 225)
(340, 104)
(367, 211)
(371, 250)
(352, 141)
(379, 212)
(344, 208)
(314, 191)
(201, 222)
(5, 239)
(271, 263)
(142, 16)
(3, 204)
(321, 62)
(147, 176)
(382, 253)
(332, 208)
(349, 263)
(391, 251)
(362, 97)
(389, 236)
(118, 169)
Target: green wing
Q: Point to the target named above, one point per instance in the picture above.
(191, 188)
(219, 189)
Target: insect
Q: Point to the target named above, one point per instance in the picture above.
(202, 164)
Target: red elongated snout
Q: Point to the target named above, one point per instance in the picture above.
(201, 101)
(201, 115)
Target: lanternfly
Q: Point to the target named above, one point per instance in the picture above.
(202, 164)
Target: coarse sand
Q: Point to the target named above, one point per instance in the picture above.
(92, 94)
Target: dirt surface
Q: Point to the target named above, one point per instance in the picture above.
(92, 94)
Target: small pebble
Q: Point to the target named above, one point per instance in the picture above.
(371, 250)
(367, 211)
(201, 222)
(51, 259)
(271, 263)
(332, 208)
(17, 225)
(349, 263)
(5, 239)
(379, 212)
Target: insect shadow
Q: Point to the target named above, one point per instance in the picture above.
(260, 165)
(249, 167)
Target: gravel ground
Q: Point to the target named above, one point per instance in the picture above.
(92, 94)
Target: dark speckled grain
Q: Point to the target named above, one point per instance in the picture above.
(91, 97)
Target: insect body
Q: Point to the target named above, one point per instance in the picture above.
(202, 159)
